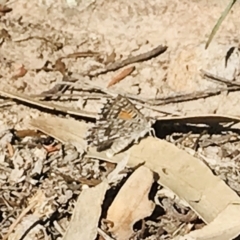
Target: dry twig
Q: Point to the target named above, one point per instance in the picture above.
(139, 58)
(216, 78)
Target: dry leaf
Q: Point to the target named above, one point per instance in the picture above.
(184, 174)
(188, 177)
(224, 227)
(132, 203)
(21, 72)
(125, 72)
(84, 222)
(62, 129)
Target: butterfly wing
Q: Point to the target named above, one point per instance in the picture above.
(119, 108)
(102, 136)
(117, 123)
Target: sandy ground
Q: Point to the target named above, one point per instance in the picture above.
(118, 29)
(126, 28)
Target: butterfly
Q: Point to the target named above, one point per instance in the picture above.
(120, 124)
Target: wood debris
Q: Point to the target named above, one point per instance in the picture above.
(131, 204)
(86, 216)
(121, 76)
(178, 171)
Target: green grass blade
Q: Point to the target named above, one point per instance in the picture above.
(219, 22)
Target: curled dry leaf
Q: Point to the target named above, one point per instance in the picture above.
(121, 76)
(180, 172)
(224, 226)
(132, 203)
(21, 72)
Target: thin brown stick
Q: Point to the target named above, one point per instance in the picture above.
(88, 86)
(139, 58)
(82, 54)
(87, 96)
(216, 78)
(191, 96)
(26, 99)
(18, 220)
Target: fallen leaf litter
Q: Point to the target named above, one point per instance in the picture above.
(43, 178)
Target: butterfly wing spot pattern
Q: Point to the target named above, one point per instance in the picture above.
(120, 125)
